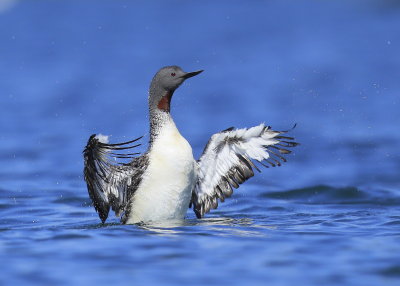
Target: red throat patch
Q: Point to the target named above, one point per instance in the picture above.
(165, 102)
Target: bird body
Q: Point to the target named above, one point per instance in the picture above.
(164, 181)
(167, 183)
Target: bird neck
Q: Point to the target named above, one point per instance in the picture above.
(159, 110)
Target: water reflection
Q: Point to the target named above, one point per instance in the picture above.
(6, 5)
(217, 226)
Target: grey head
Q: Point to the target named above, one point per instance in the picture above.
(163, 85)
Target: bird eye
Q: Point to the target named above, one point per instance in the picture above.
(173, 74)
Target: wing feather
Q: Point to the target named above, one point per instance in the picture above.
(109, 181)
(229, 160)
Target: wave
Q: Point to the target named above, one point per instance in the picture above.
(325, 194)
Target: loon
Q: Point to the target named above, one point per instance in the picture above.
(163, 182)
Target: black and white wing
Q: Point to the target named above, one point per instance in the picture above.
(229, 159)
(109, 183)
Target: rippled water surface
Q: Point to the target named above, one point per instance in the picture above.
(329, 216)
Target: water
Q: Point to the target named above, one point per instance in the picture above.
(329, 216)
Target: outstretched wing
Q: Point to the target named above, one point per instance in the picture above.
(107, 180)
(229, 159)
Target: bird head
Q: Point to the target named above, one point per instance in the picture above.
(163, 85)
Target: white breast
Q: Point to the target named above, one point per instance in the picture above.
(168, 181)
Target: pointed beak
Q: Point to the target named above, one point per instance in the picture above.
(191, 74)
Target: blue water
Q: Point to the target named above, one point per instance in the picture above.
(329, 216)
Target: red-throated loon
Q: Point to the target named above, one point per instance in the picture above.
(164, 181)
